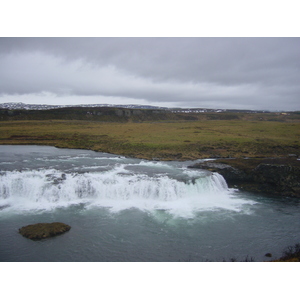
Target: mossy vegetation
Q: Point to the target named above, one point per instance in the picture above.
(167, 138)
(247, 165)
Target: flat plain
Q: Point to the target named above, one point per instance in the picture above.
(241, 135)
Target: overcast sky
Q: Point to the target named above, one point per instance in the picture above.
(240, 73)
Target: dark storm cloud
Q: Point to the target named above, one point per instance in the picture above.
(190, 72)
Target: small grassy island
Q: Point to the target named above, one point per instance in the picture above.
(43, 230)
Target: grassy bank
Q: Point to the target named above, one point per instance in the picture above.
(162, 140)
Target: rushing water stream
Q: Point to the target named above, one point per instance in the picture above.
(124, 209)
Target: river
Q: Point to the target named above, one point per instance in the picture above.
(126, 209)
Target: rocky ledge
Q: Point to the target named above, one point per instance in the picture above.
(276, 176)
(43, 230)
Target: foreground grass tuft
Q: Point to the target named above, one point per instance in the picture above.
(290, 254)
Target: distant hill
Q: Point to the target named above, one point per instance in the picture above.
(131, 113)
(102, 114)
(20, 105)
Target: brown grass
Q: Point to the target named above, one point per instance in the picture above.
(164, 140)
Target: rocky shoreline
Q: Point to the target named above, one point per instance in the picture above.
(275, 176)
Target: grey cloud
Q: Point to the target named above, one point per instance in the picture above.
(187, 71)
(188, 59)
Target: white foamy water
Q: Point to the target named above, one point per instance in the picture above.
(117, 189)
(43, 181)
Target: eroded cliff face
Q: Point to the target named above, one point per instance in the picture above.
(280, 176)
(285, 179)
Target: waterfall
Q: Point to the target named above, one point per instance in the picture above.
(117, 188)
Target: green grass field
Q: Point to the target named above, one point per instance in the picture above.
(162, 140)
